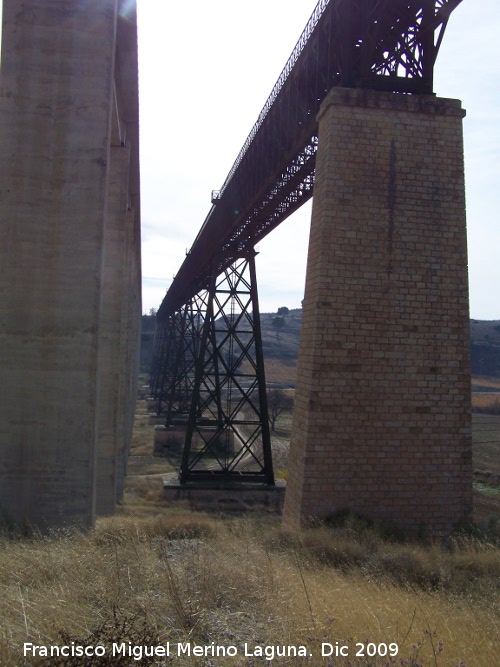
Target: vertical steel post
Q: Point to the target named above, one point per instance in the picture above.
(199, 366)
(261, 378)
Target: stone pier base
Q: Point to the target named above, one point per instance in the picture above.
(224, 496)
(169, 440)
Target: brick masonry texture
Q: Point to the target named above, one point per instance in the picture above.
(382, 412)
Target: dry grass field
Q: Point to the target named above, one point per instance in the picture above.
(177, 577)
(486, 449)
(156, 576)
(486, 458)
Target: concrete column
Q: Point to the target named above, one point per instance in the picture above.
(130, 341)
(121, 296)
(56, 85)
(382, 413)
(112, 344)
(128, 96)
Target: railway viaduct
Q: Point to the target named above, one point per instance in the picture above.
(69, 258)
(381, 424)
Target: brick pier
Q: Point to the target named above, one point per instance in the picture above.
(382, 411)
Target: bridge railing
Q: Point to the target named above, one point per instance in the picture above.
(302, 41)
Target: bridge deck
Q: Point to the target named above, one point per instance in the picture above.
(377, 44)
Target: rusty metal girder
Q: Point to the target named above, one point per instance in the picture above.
(377, 44)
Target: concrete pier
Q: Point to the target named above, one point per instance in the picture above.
(61, 264)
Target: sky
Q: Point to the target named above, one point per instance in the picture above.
(205, 71)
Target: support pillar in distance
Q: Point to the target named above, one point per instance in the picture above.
(228, 437)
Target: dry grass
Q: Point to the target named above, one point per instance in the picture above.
(282, 371)
(485, 381)
(486, 442)
(486, 403)
(143, 485)
(177, 576)
(142, 438)
(152, 575)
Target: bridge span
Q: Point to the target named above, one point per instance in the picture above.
(381, 422)
(384, 45)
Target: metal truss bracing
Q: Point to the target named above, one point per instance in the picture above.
(159, 351)
(177, 345)
(208, 353)
(378, 44)
(227, 434)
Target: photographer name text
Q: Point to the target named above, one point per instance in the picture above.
(188, 649)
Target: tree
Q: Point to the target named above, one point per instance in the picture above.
(278, 401)
(283, 310)
(278, 324)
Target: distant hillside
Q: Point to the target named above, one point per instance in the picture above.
(281, 353)
(280, 337)
(485, 347)
(281, 346)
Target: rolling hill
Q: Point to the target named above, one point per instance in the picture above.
(281, 346)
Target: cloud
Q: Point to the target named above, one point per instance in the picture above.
(206, 70)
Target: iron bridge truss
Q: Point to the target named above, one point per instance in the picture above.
(388, 45)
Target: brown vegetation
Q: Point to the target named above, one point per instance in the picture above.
(484, 404)
(177, 576)
(486, 395)
(486, 457)
(154, 574)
